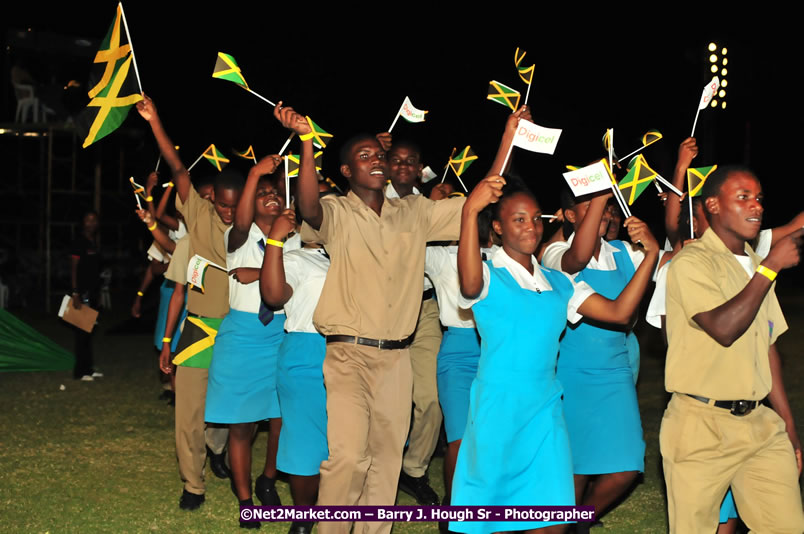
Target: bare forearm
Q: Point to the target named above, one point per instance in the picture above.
(245, 212)
(470, 267)
(181, 178)
(175, 306)
(307, 188)
(502, 151)
(672, 207)
(274, 288)
(620, 310)
(583, 245)
(147, 278)
(162, 238)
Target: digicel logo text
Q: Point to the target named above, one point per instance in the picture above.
(586, 180)
(196, 273)
(535, 138)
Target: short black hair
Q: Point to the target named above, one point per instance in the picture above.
(715, 181)
(513, 185)
(406, 143)
(350, 143)
(229, 179)
(204, 180)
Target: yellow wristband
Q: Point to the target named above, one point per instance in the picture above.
(770, 274)
(171, 184)
(139, 294)
(306, 136)
(152, 228)
(274, 243)
(166, 340)
(149, 198)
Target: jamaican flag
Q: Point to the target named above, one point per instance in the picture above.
(320, 137)
(226, 68)
(650, 137)
(247, 154)
(526, 73)
(696, 179)
(639, 177)
(294, 162)
(215, 157)
(462, 161)
(196, 342)
(502, 94)
(114, 86)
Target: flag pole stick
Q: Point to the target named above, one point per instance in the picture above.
(287, 183)
(692, 232)
(446, 169)
(286, 143)
(253, 156)
(632, 153)
(657, 186)
(667, 184)
(397, 117)
(695, 122)
(508, 155)
(131, 46)
(196, 161)
(260, 96)
(137, 198)
(158, 161)
(527, 93)
(461, 181)
(611, 149)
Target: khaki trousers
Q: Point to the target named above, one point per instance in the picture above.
(368, 411)
(191, 396)
(707, 449)
(427, 417)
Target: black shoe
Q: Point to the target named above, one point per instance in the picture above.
(301, 527)
(217, 464)
(190, 501)
(418, 488)
(265, 490)
(248, 524)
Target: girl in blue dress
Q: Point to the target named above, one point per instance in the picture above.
(515, 448)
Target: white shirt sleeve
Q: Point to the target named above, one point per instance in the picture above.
(582, 291)
(553, 254)
(658, 303)
(466, 303)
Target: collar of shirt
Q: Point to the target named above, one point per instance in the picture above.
(605, 260)
(390, 191)
(712, 242)
(532, 282)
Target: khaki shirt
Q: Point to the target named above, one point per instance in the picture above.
(177, 268)
(206, 230)
(703, 276)
(374, 284)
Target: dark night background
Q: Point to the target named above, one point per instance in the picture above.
(349, 67)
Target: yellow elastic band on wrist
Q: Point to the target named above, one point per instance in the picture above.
(274, 243)
(306, 136)
(149, 198)
(171, 184)
(770, 274)
(140, 294)
(166, 340)
(152, 228)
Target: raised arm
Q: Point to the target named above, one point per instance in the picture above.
(621, 310)
(726, 323)
(274, 288)
(244, 215)
(307, 187)
(470, 267)
(672, 207)
(586, 237)
(181, 178)
(508, 138)
(175, 306)
(159, 235)
(171, 222)
(781, 231)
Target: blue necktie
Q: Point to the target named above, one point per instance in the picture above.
(265, 314)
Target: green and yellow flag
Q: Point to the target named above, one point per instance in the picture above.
(462, 161)
(294, 162)
(247, 154)
(114, 85)
(526, 73)
(226, 69)
(650, 137)
(197, 342)
(639, 177)
(320, 136)
(215, 157)
(696, 179)
(502, 94)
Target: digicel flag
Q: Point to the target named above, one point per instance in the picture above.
(536, 138)
(590, 179)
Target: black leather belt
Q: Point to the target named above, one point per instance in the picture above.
(382, 344)
(428, 294)
(736, 407)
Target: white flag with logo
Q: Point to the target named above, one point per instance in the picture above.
(197, 270)
(411, 113)
(536, 138)
(709, 92)
(590, 179)
(428, 174)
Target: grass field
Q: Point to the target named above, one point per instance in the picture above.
(99, 457)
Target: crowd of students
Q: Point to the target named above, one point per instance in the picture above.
(327, 322)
